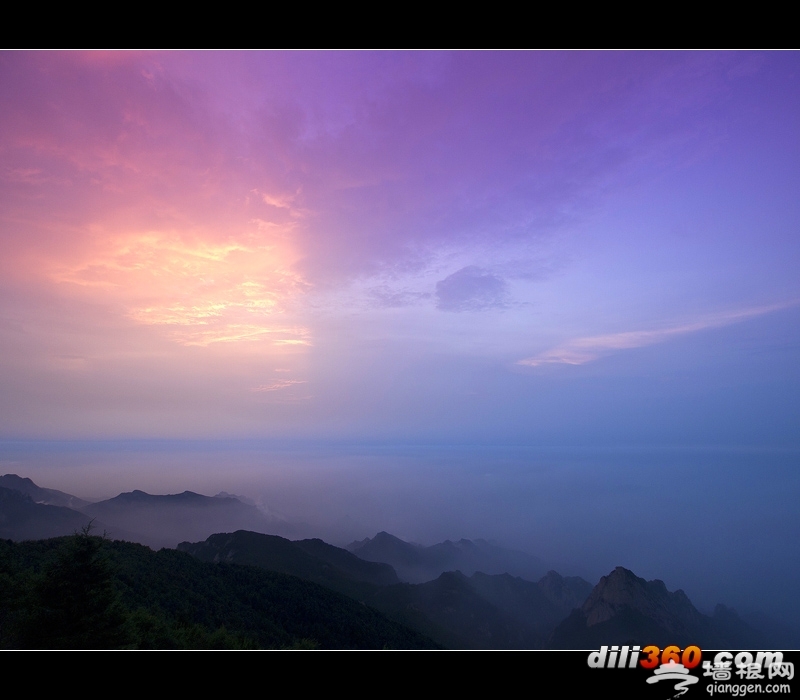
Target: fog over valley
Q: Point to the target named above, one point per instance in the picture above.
(693, 518)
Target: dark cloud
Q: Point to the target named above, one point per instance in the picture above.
(470, 289)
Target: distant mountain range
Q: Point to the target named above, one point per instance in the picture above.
(415, 563)
(497, 611)
(164, 521)
(49, 497)
(469, 594)
(155, 521)
(21, 518)
(494, 611)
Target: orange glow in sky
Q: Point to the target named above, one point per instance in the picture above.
(199, 290)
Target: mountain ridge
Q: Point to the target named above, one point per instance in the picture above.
(417, 563)
(461, 606)
(626, 609)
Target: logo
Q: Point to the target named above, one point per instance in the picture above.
(618, 658)
(669, 664)
(674, 672)
(675, 666)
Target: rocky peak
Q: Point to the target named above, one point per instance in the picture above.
(623, 589)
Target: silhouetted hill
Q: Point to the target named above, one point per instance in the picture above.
(450, 610)
(539, 606)
(376, 573)
(49, 497)
(416, 564)
(312, 560)
(478, 612)
(86, 592)
(484, 611)
(626, 609)
(566, 592)
(164, 521)
(22, 519)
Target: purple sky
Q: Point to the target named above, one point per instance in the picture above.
(536, 248)
(494, 246)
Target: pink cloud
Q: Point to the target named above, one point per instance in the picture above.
(582, 350)
(277, 386)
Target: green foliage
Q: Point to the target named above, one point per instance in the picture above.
(73, 603)
(87, 592)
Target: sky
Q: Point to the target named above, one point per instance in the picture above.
(549, 250)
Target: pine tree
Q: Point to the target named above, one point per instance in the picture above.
(75, 603)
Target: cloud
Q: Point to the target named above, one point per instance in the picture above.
(470, 289)
(277, 386)
(200, 291)
(582, 350)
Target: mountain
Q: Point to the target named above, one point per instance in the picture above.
(84, 592)
(470, 594)
(416, 564)
(483, 611)
(49, 497)
(23, 519)
(565, 592)
(537, 606)
(156, 521)
(312, 560)
(626, 609)
(479, 612)
(164, 521)
(451, 611)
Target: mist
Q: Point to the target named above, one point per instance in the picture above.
(720, 524)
